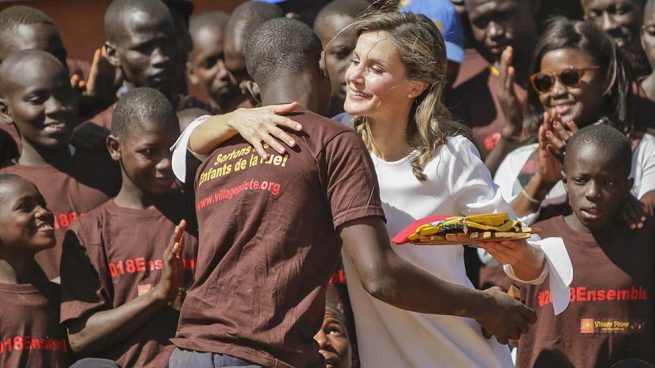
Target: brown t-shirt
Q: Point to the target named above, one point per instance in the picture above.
(114, 254)
(610, 314)
(269, 244)
(30, 333)
(474, 103)
(89, 180)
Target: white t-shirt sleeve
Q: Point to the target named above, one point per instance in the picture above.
(558, 268)
(470, 185)
(181, 148)
(645, 160)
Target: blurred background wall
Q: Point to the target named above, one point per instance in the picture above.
(80, 21)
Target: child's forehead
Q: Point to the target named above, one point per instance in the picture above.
(140, 22)
(16, 188)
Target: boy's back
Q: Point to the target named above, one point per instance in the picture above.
(111, 256)
(610, 314)
(29, 326)
(260, 284)
(87, 181)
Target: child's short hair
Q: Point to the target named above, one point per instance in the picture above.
(208, 19)
(118, 9)
(141, 106)
(15, 16)
(351, 8)
(615, 145)
(281, 47)
(246, 18)
(8, 178)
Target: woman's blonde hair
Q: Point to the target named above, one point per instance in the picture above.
(423, 52)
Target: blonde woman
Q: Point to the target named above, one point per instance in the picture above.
(425, 166)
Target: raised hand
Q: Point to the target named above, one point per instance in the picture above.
(557, 134)
(509, 102)
(103, 80)
(549, 167)
(172, 274)
(505, 317)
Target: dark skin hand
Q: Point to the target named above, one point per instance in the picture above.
(512, 110)
(110, 327)
(98, 92)
(393, 280)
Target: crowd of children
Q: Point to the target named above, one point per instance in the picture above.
(143, 227)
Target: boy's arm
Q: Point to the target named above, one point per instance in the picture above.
(102, 330)
(254, 125)
(393, 280)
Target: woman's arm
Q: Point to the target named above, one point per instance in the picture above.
(257, 126)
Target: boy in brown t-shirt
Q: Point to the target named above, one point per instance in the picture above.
(36, 96)
(272, 227)
(30, 334)
(610, 313)
(120, 297)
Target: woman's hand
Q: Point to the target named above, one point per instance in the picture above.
(527, 261)
(548, 166)
(507, 98)
(262, 125)
(557, 134)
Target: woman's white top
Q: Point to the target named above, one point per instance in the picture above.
(457, 183)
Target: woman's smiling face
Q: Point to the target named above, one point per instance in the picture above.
(376, 78)
(583, 103)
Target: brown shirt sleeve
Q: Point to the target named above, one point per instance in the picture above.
(348, 177)
(85, 283)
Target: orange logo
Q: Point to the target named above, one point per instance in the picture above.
(587, 326)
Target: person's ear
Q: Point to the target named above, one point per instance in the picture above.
(321, 64)
(416, 88)
(250, 89)
(110, 50)
(114, 147)
(191, 74)
(5, 118)
(564, 179)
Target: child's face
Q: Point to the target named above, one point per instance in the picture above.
(40, 101)
(497, 24)
(338, 48)
(146, 157)
(39, 36)
(620, 19)
(208, 63)
(25, 221)
(596, 185)
(146, 50)
(333, 341)
(584, 102)
(648, 34)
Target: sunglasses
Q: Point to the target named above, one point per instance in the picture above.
(569, 77)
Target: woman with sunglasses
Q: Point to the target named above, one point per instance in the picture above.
(578, 79)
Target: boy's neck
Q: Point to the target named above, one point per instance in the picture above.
(16, 269)
(290, 89)
(131, 196)
(32, 156)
